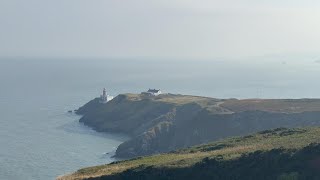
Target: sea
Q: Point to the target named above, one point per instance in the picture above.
(39, 139)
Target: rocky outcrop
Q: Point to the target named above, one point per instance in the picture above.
(168, 122)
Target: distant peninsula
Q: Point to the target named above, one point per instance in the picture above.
(166, 122)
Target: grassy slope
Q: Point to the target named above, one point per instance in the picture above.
(226, 150)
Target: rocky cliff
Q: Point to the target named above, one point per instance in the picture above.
(168, 122)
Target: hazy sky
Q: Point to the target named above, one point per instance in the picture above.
(162, 28)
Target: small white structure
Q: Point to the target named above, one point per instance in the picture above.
(153, 92)
(104, 98)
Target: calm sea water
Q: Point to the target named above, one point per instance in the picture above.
(39, 140)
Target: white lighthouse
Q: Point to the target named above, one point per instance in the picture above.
(104, 98)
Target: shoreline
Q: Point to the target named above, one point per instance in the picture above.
(77, 127)
(110, 135)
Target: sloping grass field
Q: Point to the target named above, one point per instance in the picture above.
(231, 149)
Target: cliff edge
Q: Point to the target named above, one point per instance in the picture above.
(167, 122)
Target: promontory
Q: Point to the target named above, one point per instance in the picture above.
(163, 123)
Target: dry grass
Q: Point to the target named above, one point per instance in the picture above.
(273, 105)
(170, 98)
(234, 105)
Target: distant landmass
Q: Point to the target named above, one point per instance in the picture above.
(167, 122)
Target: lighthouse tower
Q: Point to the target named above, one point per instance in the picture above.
(104, 98)
(104, 94)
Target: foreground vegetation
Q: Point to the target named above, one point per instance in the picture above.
(272, 154)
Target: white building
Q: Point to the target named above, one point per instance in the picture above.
(153, 92)
(104, 98)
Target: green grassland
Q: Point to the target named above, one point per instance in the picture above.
(247, 157)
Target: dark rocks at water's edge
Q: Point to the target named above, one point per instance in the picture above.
(168, 122)
(72, 111)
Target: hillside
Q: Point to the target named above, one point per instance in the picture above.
(169, 122)
(279, 154)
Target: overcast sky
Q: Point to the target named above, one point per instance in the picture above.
(160, 29)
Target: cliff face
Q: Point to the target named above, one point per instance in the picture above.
(168, 122)
(124, 115)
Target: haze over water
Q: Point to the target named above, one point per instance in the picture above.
(40, 140)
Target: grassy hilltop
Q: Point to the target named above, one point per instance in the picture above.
(168, 122)
(278, 154)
